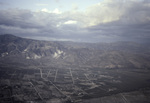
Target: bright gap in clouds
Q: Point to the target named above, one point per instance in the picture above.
(36, 5)
(70, 22)
(86, 20)
(55, 11)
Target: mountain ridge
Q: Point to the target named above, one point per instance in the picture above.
(55, 53)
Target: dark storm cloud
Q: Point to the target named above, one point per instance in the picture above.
(18, 21)
(3, 4)
(37, 25)
(134, 23)
(107, 21)
(18, 18)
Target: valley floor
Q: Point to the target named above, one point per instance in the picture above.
(74, 85)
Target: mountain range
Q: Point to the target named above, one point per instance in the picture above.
(16, 51)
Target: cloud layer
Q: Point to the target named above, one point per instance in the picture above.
(109, 20)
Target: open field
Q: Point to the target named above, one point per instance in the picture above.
(65, 85)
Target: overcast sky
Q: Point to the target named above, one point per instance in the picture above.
(77, 20)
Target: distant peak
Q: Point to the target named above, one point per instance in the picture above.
(8, 35)
(5, 38)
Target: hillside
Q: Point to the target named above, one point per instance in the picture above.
(104, 55)
(33, 71)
